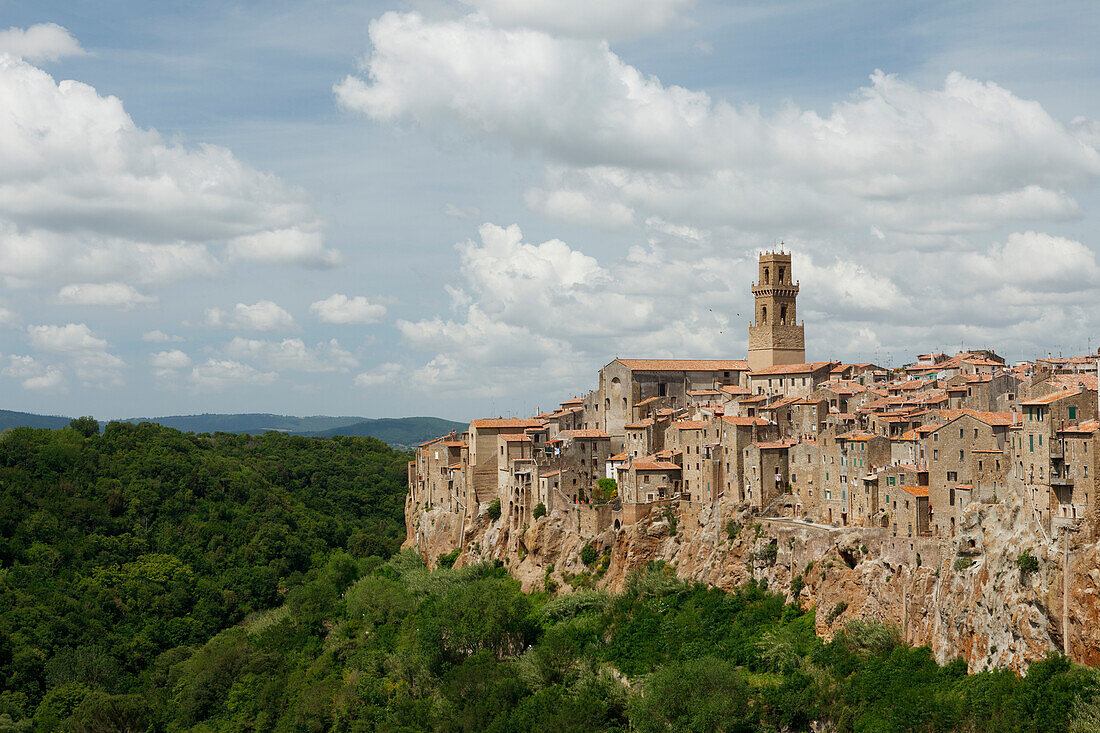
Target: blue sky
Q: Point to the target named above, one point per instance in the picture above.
(465, 208)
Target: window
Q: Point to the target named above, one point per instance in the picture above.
(962, 455)
(1031, 443)
(975, 432)
(935, 455)
(952, 476)
(960, 432)
(1072, 413)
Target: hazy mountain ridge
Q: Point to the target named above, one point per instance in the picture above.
(396, 431)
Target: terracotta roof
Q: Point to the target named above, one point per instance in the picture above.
(989, 418)
(655, 466)
(585, 434)
(515, 438)
(1053, 397)
(452, 467)
(1088, 426)
(618, 457)
(429, 442)
(647, 401)
(574, 401)
(772, 445)
(700, 392)
(688, 424)
(793, 368)
(684, 365)
(855, 437)
(504, 423)
(915, 490)
(548, 475)
(734, 389)
(639, 425)
(734, 420)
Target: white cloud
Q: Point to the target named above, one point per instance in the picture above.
(117, 295)
(87, 354)
(50, 379)
(461, 212)
(88, 196)
(388, 373)
(959, 158)
(341, 309)
(72, 338)
(8, 317)
(41, 42)
(157, 336)
(262, 316)
(292, 355)
(171, 359)
(219, 374)
(21, 367)
(603, 19)
(285, 247)
(1037, 261)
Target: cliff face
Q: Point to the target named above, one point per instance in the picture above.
(963, 596)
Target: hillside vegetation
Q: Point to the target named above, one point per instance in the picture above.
(121, 554)
(156, 580)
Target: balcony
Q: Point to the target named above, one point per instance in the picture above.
(1060, 480)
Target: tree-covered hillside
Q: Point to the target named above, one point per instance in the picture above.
(122, 553)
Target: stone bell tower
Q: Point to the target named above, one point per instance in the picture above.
(776, 337)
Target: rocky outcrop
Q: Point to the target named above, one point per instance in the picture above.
(963, 596)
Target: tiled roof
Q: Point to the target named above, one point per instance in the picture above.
(585, 434)
(688, 424)
(655, 466)
(515, 438)
(548, 475)
(989, 418)
(772, 445)
(506, 423)
(647, 401)
(734, 420)
(618, 457)
(793, 368)
(684, 365)
(1053, 397)
(574, 401)
(639, 425)
(915, 490)
(1088, 426)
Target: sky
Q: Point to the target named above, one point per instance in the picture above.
(466, 208)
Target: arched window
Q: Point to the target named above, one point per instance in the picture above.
(783, 314)
(782, 271)
(763, 315)
(767, 277)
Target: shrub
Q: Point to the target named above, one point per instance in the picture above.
(671, 520)
(836, 613)
(607, 490)
(963, 563)
(733, 529)
(589, 554)
(540, 510)
(1026, 562)
(769, 553)
(797, 585)
(448, 560)
(494, 510)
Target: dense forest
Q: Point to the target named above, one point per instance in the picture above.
(156, 580)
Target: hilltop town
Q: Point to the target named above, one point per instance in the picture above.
(906, 460)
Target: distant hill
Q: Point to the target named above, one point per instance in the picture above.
(396, 431)
(10, 419)
(251, 422)
(403, 431)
